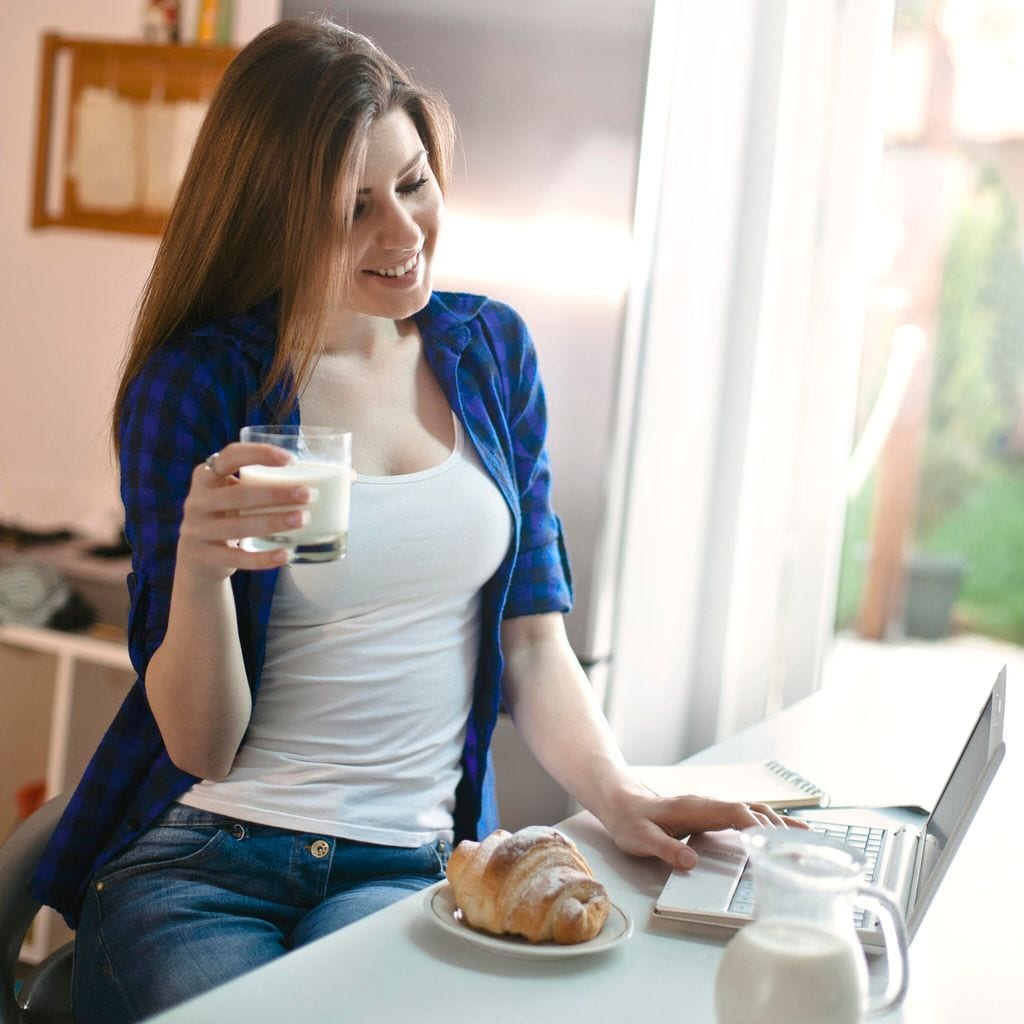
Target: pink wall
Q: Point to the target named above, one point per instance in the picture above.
(67, 296)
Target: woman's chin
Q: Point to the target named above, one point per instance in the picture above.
(391, 301)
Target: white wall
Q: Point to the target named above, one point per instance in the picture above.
(68, 295)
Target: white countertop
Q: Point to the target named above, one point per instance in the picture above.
(398, 965)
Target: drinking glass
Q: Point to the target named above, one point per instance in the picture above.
(321, 458)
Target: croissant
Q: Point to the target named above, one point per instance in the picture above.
(533, 883)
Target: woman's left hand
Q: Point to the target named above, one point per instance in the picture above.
(646, 825)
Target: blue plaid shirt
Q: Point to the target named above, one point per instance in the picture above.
(192, 399)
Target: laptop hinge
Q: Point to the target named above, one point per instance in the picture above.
(901, 865)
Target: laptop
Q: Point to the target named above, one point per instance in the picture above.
(908, 853)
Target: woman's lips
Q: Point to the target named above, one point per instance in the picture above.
(402, 275)
(398, 270)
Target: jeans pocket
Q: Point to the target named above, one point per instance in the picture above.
(163, 847)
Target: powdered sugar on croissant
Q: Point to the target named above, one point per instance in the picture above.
(533, 883)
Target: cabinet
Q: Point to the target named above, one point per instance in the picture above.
(60, 691)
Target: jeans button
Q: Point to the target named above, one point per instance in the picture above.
(319, 848)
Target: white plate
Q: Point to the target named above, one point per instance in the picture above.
(441, 909)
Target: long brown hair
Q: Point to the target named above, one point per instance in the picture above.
(266, 202)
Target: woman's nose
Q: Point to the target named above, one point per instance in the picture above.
(397, 227)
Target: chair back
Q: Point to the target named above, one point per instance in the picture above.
(19, 856)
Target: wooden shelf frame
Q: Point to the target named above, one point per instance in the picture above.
(138, 71)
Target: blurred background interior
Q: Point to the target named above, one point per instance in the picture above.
(772, 257)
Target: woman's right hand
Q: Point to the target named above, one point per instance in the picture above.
(213, 520)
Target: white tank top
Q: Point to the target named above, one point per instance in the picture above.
(361, 716)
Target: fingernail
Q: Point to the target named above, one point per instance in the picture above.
(686, 859)
(304, 493)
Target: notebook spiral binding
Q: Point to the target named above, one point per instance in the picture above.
(798, 781)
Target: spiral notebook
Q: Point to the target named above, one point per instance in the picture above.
(765, 782)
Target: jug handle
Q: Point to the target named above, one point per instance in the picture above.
(894, 932)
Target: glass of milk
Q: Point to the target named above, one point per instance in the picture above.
(321, 459)
(800, 961)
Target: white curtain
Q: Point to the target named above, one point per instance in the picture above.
(753, 317)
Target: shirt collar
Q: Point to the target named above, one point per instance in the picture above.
(442, 320)
(255, 329)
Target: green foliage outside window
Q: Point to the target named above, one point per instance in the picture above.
(971, 495)
(971, 484)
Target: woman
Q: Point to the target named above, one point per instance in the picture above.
(280, 770)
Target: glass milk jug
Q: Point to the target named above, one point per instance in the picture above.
(800, 961)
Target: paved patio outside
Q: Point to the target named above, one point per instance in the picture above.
(950, 658)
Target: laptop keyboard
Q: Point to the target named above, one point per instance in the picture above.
(867, 840)
(860, 837)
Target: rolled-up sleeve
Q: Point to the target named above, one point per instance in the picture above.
(541, 578)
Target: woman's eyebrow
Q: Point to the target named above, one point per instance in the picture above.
(405, 170)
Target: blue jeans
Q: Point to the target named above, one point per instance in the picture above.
(199, 899)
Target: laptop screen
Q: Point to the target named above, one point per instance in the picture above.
(960, 795)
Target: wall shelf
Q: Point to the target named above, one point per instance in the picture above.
(115, 121)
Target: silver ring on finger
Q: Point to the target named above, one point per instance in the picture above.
(211, 465)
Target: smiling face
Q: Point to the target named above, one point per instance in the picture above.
(398, 214)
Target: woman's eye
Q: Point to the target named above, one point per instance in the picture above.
(414, 187)
(403, 190)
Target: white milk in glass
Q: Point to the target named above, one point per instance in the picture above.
(777, 972)
(324, 537)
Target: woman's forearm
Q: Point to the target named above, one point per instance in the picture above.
(556, 712)
(554, 708)
(196, 681)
